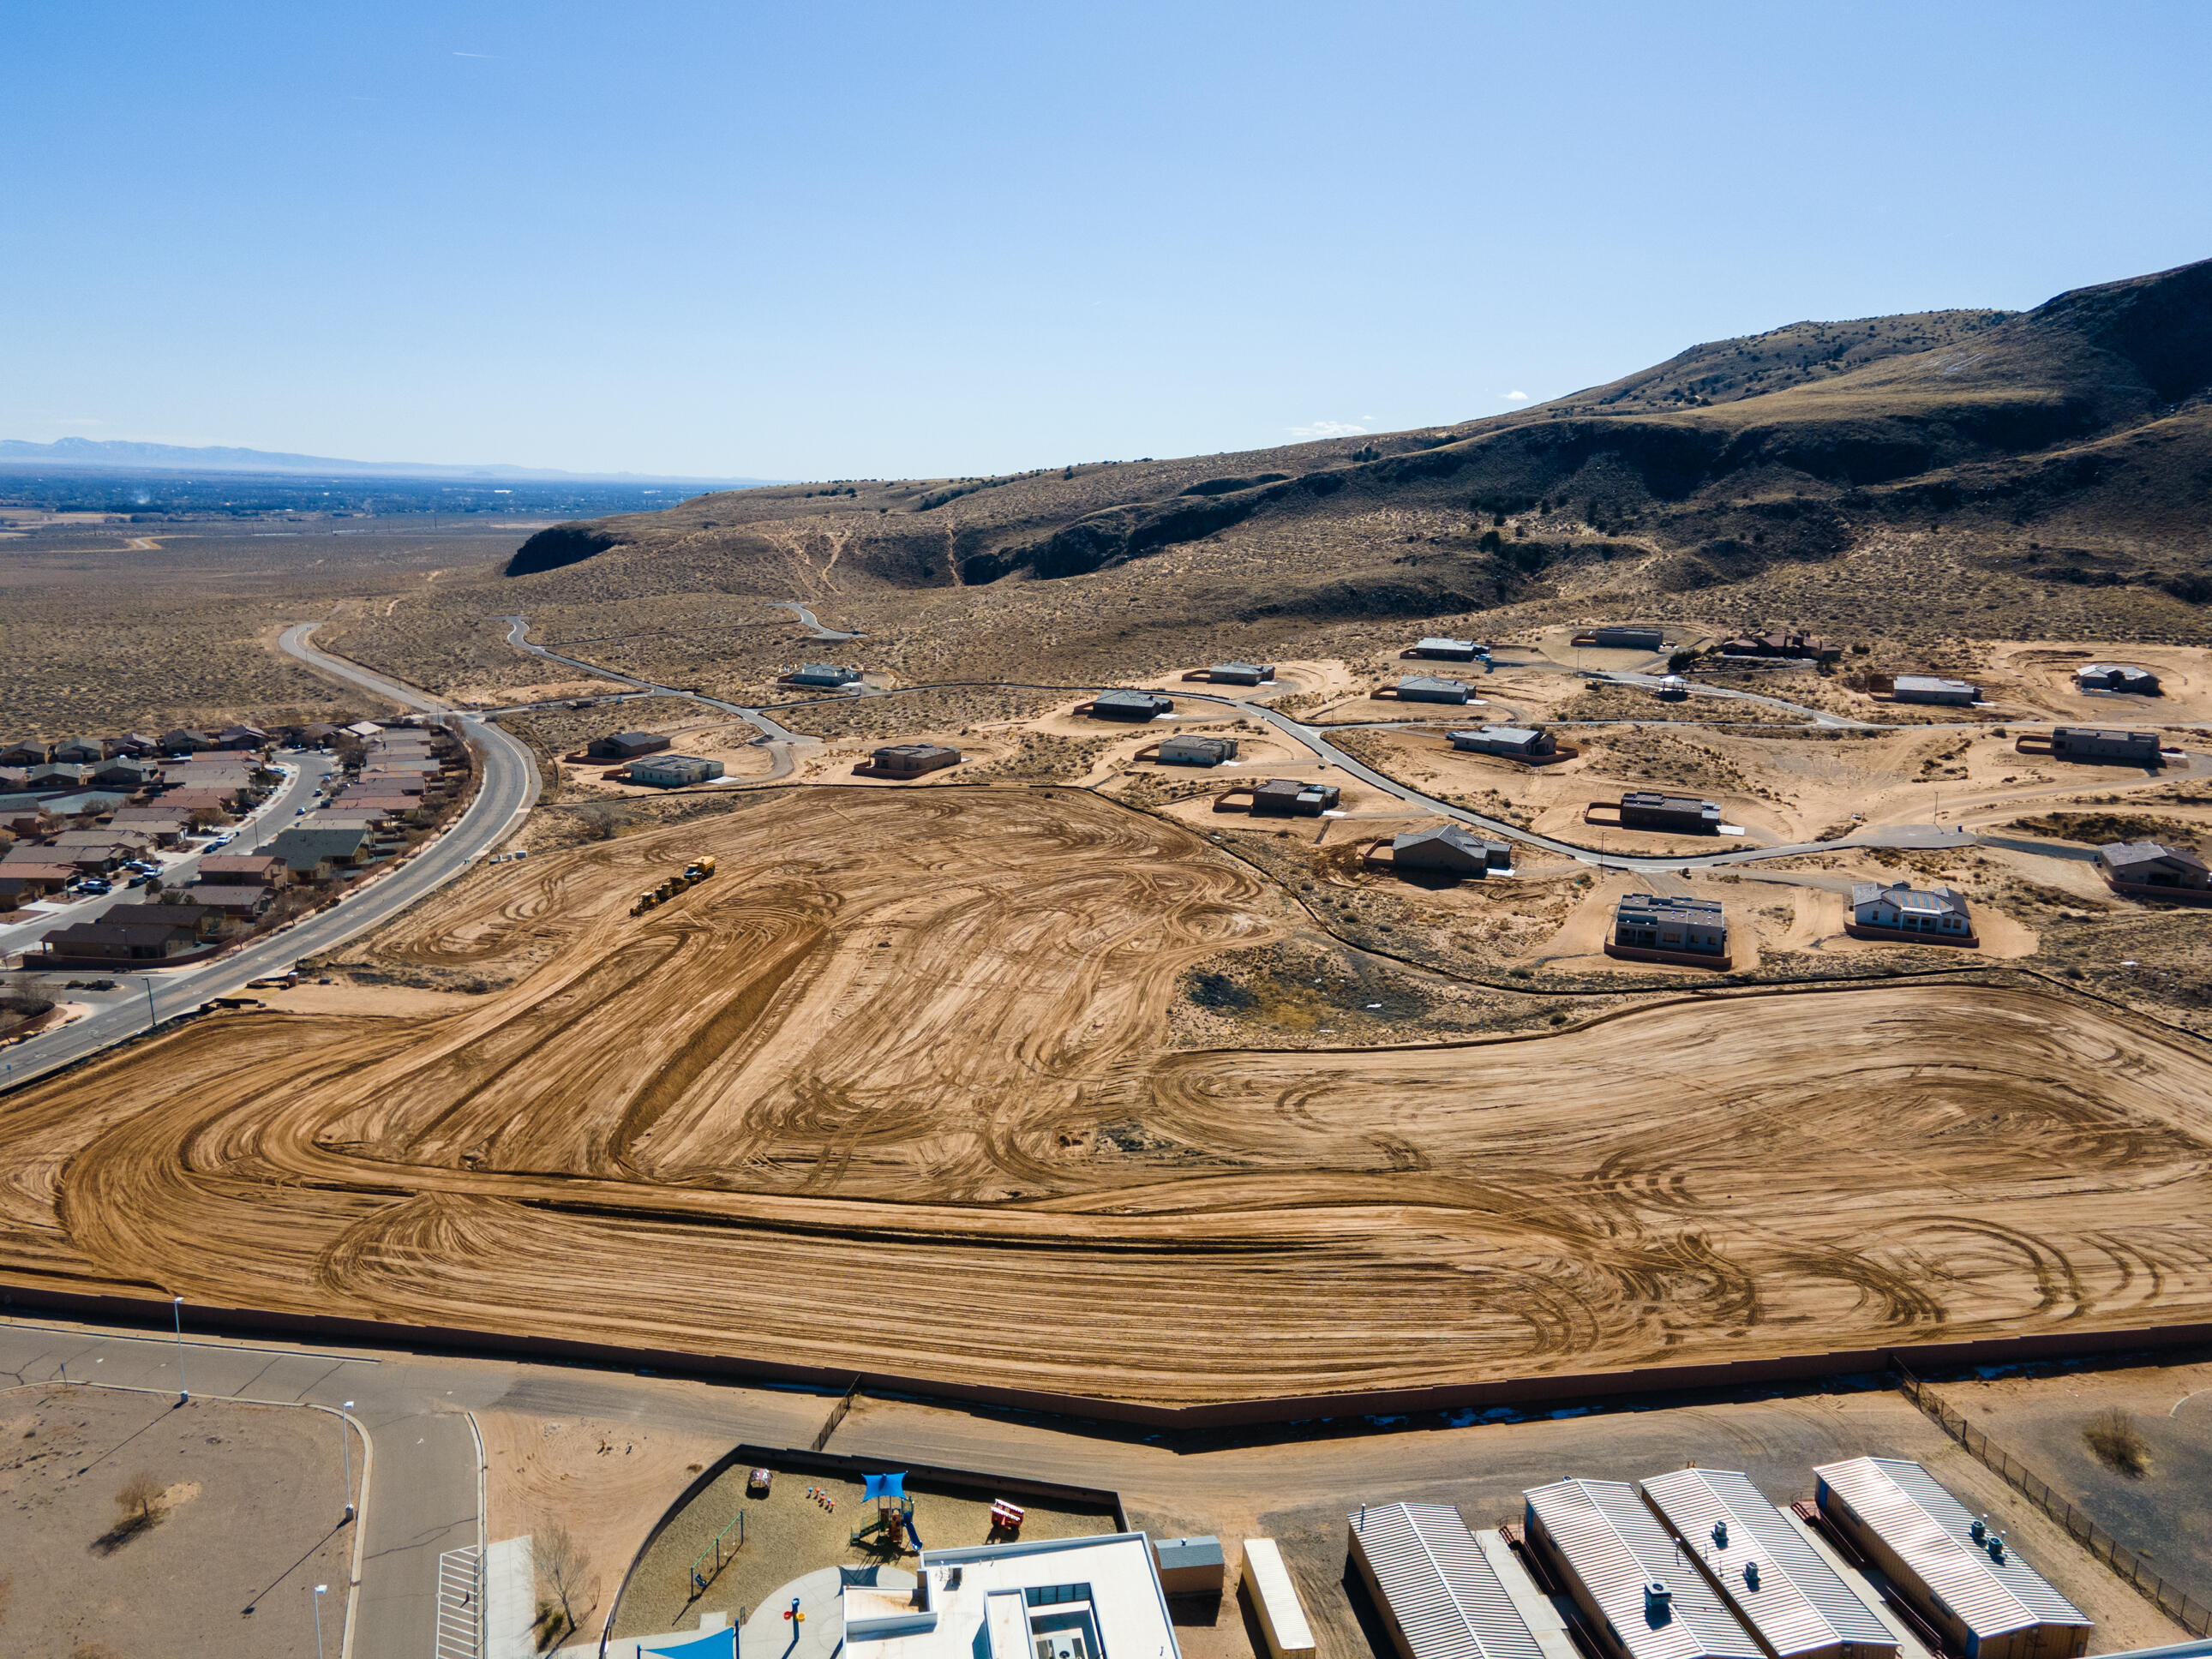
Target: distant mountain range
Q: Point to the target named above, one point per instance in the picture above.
(116, 454)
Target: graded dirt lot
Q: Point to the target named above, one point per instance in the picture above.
(890, 1093)
(248, 1523)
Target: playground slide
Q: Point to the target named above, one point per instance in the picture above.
(914, 1533)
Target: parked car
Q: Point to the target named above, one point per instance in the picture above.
(95, 885)
(138, 880)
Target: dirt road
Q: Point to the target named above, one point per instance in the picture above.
(889, 1094)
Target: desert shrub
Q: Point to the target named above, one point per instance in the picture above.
(2119, 1443)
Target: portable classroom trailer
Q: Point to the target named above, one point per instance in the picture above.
(1986, 1601)
(1765, 1569)
(1625, 1573)
(1436, 1589)
(1275, 1601)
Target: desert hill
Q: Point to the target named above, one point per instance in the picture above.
(1974, 472)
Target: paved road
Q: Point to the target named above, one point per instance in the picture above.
(812, 624)
(772, 730)
(508, 786)
(180, 866)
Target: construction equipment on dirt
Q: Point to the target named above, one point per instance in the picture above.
(693, 873)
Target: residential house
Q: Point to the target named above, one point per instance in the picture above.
(2154, 863)
(1644, 922)
(1938, 914)
(1451, 849)
(317, 854)
(674, 771)
(1927, 688)
(255, 869)
(1288, 797)
(1514, 742)
(626, 745)
(1192, 750)
(1430, 687)
(1130, 706)
(911, 760)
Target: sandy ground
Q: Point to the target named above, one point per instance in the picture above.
(880, 1056)
(254, 1495)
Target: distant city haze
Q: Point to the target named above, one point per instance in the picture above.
(857, 241)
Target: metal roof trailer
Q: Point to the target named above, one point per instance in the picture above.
(1628, 1577)
(1796, 1604)
(1436, 1589)
(1957, 1571)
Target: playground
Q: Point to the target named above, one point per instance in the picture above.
(805, 1522)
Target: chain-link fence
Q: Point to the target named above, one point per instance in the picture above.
(2170, 1599)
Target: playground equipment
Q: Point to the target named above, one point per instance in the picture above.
(894, 1511)
(723, 1552)
(1006, 1516)
(694, 872)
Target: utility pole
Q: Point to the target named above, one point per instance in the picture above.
(177, 1307)
(345, 1449)
(152, 1019)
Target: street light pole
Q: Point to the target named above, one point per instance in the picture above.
(319, 1590)
(177, 1307)
(346, 1449)
(152, 1019)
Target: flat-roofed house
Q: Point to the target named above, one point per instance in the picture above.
(2100, 742)
(1447, 650)
(1438, 1594)
(1432, 687)
(1626, 1576)
(2116, 677)
(626, 745)
(1096, 1597)
(1646, 928)
(1514, 742)
(1130, 705)
(1682, 815)
(821, 673)
(1192, 750)
(1960, 1576)
(1451, 848)
(1765, 1569)
(1288, 797)
(2154, 863)
(911, 760)
(674, 771)
(1930, 688)
(1936, 914)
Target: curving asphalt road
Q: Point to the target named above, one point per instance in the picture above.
(508, 785)
(812, 624)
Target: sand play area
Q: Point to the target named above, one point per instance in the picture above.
(891, 1093)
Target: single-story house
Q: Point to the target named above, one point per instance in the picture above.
(911, 760)
(1430, 687)
(2116, 677)
(1449, 847)
(314, 854)
(242, 737)
(185, 741)
(239, 904)
(2095, 742)
(213, 803)
(1785, 643)
(316, 734)
(1647, 808)
(57, 775)
(1288, 796)
(136, 744)
(126, 773)
(36, 875)
(1928, 687)
(821, 673)
(407, 809)
(200, 920)
(1643, 921)
(258, 869)
(1241, 673)
(625, 745)
(1192, 750)
(2149, 864)
(1624, 636)
(364, 730)
(674, 771)
(1939, 912)
(1516, 742)
(81, 752)
(1446, 649)
(1130, 705)
(163, 828)
(30, 752)
(95, 944)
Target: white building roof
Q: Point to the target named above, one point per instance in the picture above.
(1616, 1547)
(1441, 1588)
(1931, 1532)
(1801, 1604)
(1064, 1598)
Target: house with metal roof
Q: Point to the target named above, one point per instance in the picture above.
(2116, 677)
(1130, 705)
(1629, 1578)
(821, 673)
(1430, 687)
(1195, 751)
(626, 745)
(674, 771)
(1898, 907)
(1450, 848)
(1514, 742)
(1956, 1570)
(1436, 1591)
(1241, 673)
(1767, 1569)
(1930, 688)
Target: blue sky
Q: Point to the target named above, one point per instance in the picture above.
(827, 240)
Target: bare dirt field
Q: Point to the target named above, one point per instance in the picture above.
(912, 1042)
(245, 1524)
